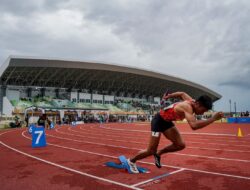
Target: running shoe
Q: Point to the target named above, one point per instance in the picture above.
(157, 160)
(132, 167)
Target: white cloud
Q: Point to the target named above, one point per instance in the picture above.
(203, 41)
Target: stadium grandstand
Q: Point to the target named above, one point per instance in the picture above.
(69, 90)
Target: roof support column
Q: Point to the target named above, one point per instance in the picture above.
(2, 94)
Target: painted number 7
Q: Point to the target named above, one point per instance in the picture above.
(40, 133)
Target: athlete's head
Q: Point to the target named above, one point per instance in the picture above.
(202, 104)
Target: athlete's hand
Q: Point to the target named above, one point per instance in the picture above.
(166, 95)
(217, 115)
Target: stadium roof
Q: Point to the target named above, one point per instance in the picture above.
(70, 74)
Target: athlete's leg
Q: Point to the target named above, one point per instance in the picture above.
(151, 149)
(177, 141)
(177, 144)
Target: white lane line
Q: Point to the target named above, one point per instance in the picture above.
(210, 134)
(89, 131)
(218, 135)
(199, 143)
(69, 148)
(125, 147)
(187, 133)
(158, 177)
(211, 157)
(69, 169)
(138, 135)
(217, 149)
(136, 142)
(228, 137)
(89, 142)
(221, 140)
(195, 142)
(144, 144)
(96, 137)
(164, 165)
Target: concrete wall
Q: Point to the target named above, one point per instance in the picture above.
(13, 94)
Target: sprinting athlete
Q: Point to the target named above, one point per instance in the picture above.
(163, 123)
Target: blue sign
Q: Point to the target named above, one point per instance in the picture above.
(238, 120)
(30, 128)
(38, 137)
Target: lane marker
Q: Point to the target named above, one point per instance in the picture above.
(89, 142)
(211, 157)
(98, 137)
(172, 153)
(69, 169)
(124, 147)
(207, 139)
(164, 165)
(228, 137)
(187, 133)
(217, 149)
(194, 142)
(218, 135)
(188, 142)
(158, 177)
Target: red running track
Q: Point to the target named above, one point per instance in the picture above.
(215, 158)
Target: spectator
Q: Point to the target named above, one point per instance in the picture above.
(42, 120)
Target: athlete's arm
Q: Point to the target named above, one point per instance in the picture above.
(182, 95)
(198, 124)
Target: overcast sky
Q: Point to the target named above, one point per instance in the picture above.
(204, 41)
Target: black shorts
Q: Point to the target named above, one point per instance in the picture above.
(158, 124)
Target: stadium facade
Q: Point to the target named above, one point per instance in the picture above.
(85, 82)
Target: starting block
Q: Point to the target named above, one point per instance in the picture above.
(124, 165)
(38, 137)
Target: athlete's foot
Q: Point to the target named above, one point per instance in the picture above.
(132, 167)
(157, 160)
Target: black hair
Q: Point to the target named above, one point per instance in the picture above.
(205, 101)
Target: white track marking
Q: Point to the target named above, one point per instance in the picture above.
(187, 133)
(144, 143)
(228, 137)
(125, 147)
(187, 147)
(210, 134)
(149, 163)
(158, 177)
(218, 135)
(69, 169)
(211, 157)
(89, 142)
(217, 149)
(96, 137)
(193, 142)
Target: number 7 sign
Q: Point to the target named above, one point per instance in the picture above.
(38, 137)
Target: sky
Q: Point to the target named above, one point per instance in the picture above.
(206, 42)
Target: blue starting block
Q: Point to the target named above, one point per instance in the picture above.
(124, 165)
(38, 137)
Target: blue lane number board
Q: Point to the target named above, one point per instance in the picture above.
(38, 137)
